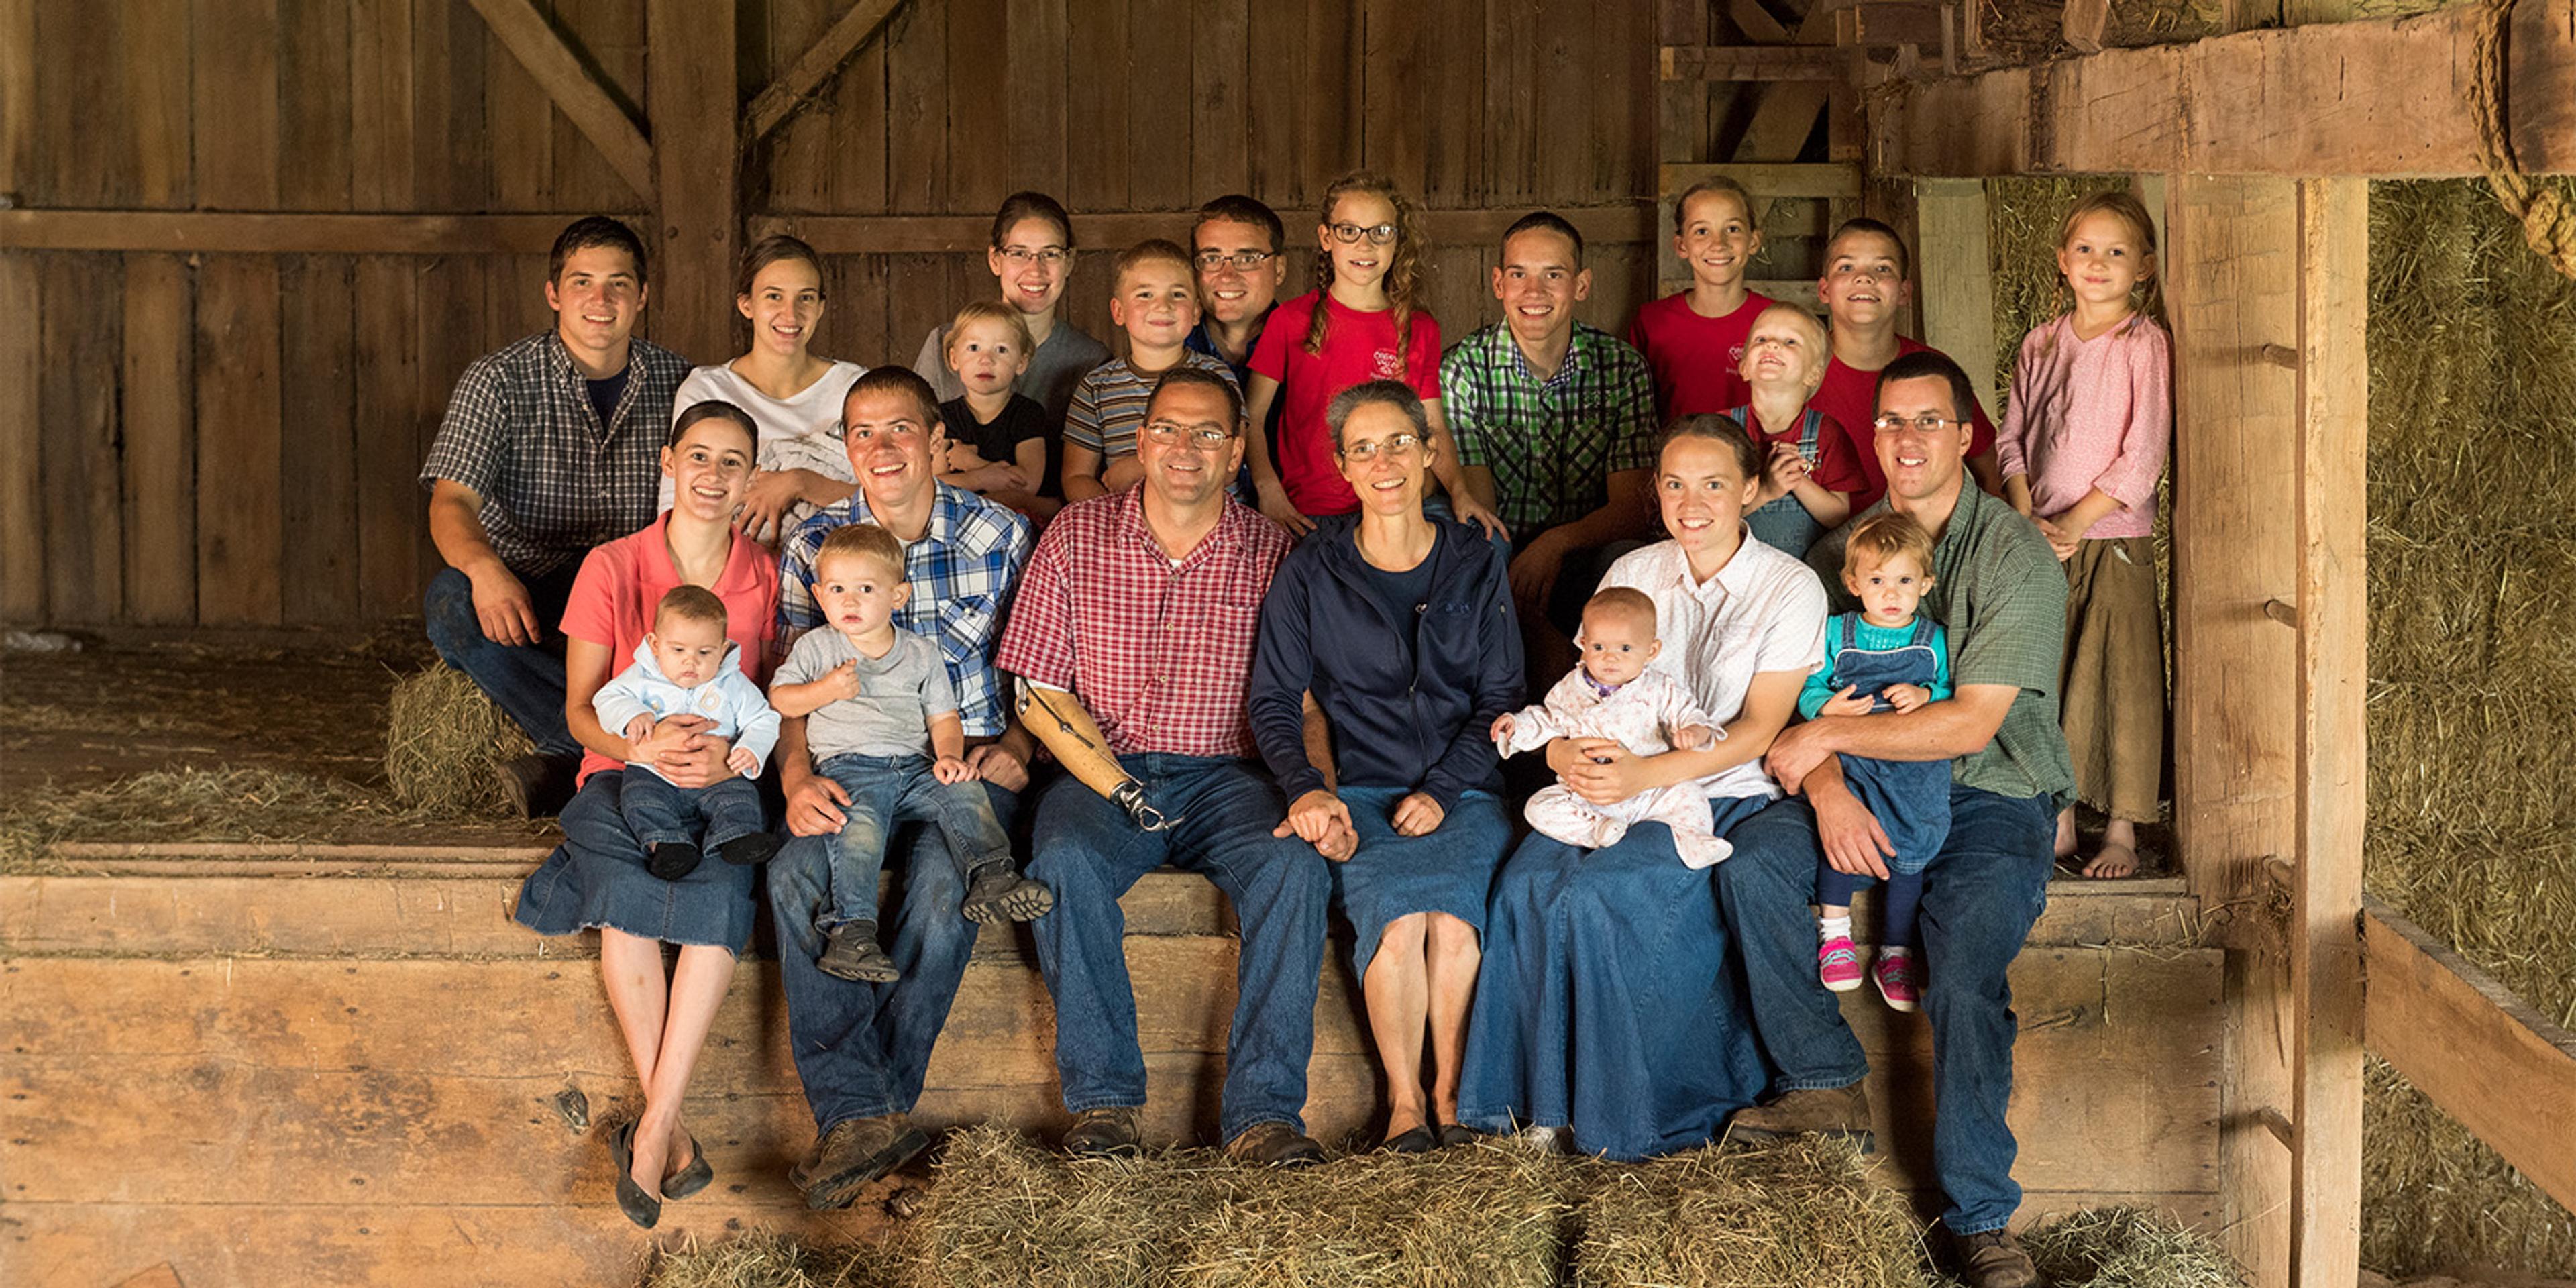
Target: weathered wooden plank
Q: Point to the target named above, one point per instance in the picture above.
(23, 546)
(1876, 24)
(523, 130)
(2332, 733)
(796, 156)
(451, 152)
(1956, 270)
(1279, 35)
(1096, 138)
(156, 91)
(80, 113)
(83, 512)
(238, 424)
(698, 155)
(1624, 88)
(1158, 113)
(815, 68)
(380, 104)
(859, 133)
(2504, 1070)
(313, 104)
(1826, 181)
(1785, 114)
(1037, 35)
(1394, 91)
(390, 421)
(1561, 129)
(160, 459)
(283, 233)
(1453, 157)
(611, 36)
(1750, 62)
(576, 92)
(318, 490)
(1221, 75)
(925, 234)
(19, 127)
(1327, 135)
(2378, 99)
(916, 119)
(236, 116)
(979, 124)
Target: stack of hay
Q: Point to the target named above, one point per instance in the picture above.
(445, 743)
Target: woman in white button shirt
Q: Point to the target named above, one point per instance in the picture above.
(1604, 1005)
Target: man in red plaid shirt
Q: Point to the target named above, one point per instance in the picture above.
(1141, 606)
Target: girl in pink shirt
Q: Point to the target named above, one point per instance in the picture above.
(2082, 445)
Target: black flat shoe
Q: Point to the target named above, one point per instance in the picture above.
(1454, 1134)
(641, 1208)
(1420, 1140)
(690, 1179)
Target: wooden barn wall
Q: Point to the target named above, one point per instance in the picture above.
(231, 439)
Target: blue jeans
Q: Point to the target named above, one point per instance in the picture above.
(1900, 911)
(886, 791)
(658, 812)
(862, 1049)
(1090, 853)
(1980, 896)
(525, 680)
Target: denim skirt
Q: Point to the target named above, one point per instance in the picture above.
(597, 879)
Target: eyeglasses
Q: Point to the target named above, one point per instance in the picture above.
(1210, 261)
(1926, 423)
(1023, 256)
(1169, 434)
(1349, 234)
(1393, 445)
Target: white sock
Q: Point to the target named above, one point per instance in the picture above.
(1894, 950)
(1829, 929)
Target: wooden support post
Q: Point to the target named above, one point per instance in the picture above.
(697, 159)
(1957, 294)
(2334, 806)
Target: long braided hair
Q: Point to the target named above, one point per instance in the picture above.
(1403, 268)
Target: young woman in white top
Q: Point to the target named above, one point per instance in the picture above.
(794, 396)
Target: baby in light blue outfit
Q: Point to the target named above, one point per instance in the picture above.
(686, 667)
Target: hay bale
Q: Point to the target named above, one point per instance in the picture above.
(1004, 1211)
(2127, 1247)
(762, 1259)
(2472, 564)
(445, 743)
(1805, 1212)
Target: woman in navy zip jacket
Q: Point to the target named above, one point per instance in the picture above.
(1400, 627)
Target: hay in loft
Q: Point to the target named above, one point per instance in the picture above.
(191, 805)
(2127, 1247)
(445, 743)
(1003, 1210)
(2472, 563)
(1804, 1212)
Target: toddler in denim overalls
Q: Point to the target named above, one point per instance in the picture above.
(1890, 656)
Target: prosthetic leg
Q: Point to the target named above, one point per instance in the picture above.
(1074, 737)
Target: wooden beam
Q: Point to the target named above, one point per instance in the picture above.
(2083, 22)
(1786, 113)
(1958, 279)
(816, 66)
(1800, 291)
(2334, 670)
(2379, 99)
(1751, 63)
(1888, 23)
(575, 89)
(1770, 182)
(2484, 1055)
(692, 97)
(285, 233)
(930, 234)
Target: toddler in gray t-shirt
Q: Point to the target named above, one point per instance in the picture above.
(881, 723)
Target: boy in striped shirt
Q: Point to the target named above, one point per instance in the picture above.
(1154, 297)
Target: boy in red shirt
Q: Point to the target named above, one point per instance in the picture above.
(1864, 287)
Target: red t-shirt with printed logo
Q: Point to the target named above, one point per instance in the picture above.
(1696, 360)
(1850, 396)
(1358, 347)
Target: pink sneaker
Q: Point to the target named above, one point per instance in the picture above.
(1899, 981)
(1838, 964)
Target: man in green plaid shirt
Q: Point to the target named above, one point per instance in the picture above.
(1555, 424)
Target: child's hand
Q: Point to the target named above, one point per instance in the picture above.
(1502, 731)
(1786, 470)
(641, 725)
(1417, 815)
(1693, 737)
(2059, 542)
(950, 769)
(741, 761)
(842, 682)
(1849, 702)
(1906, 697)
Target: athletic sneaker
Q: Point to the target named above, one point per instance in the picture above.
(1899, 979)
(1838, 964)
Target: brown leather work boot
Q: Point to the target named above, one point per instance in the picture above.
(854, 1152)
(1994, 1259)
(1274, 1145)
(1106, 1132)
(1834, 1111)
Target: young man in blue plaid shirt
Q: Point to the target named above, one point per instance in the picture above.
(1555, 422)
